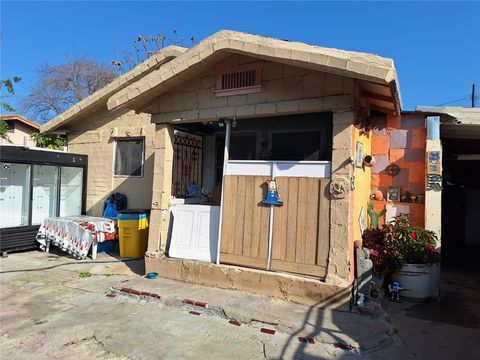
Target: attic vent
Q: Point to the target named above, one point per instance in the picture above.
(240, 79)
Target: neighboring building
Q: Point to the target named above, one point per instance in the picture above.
(454, 209)
(20, 129)
(227, 115)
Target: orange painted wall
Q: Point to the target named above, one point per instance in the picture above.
(400, 140)
(360, 196)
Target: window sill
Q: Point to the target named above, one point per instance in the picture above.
(127, 177)
(240, 91)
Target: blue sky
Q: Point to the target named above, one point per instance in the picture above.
(435, 46)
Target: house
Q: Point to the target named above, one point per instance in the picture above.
(19, 130)
(222, 118)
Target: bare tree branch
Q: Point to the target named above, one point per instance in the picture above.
(60, 87)
(145, 46)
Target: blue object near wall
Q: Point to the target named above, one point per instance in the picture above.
(110, 209)
(107, 247)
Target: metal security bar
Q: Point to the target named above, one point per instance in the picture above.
(187, 162)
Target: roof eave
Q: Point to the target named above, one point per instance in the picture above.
(22, 119)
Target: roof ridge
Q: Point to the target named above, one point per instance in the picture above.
(363, 66)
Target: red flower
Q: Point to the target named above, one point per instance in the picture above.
(413, 236)
(430, 247)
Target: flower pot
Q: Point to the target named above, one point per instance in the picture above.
(415, 280)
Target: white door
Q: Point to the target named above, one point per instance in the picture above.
(195, 232)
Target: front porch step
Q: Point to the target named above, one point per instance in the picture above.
(298, 289)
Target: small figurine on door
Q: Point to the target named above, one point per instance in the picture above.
(272, 194)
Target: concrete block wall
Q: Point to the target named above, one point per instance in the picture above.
(400, 140)
(95, 137)
(285, 90)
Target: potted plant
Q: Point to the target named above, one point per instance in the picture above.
(405, 254)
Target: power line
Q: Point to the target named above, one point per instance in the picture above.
(454, 101)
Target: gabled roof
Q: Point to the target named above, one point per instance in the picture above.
(155, 61)
(22, 119)
(371, 68)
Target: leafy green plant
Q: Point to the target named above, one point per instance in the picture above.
(398, 243)
(4, 131)
(374, 216)
(8, 84)
(85, 274)
(47, 141)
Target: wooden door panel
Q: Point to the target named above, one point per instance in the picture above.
(301, 226)
(244, 222)
(300, 230)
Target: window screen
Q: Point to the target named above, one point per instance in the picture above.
(303, 137)
(129, 157)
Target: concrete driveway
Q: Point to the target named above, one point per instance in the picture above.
(107, 310)
(445, 329)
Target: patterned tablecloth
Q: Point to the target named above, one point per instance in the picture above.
(75, 234)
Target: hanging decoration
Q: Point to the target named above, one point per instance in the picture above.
(272, 194)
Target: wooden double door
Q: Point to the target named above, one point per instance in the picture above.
(300, 229)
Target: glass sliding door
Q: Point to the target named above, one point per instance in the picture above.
(14, 194)
(71, 188)
(45, 193)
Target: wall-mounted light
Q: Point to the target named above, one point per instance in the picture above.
(369, 161)
(234, 122)
(221, 122)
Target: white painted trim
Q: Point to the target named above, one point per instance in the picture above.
(317, 169)
(228, 131)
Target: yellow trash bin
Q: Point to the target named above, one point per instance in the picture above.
(132, 233)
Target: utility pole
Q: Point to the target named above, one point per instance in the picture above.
(474, 95)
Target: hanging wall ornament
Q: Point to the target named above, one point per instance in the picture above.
(339, 187)
(272, 194)
(392, 170)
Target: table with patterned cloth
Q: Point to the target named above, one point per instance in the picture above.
(75, 234)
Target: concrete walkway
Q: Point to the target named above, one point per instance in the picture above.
(108, 310)
(444, 329)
